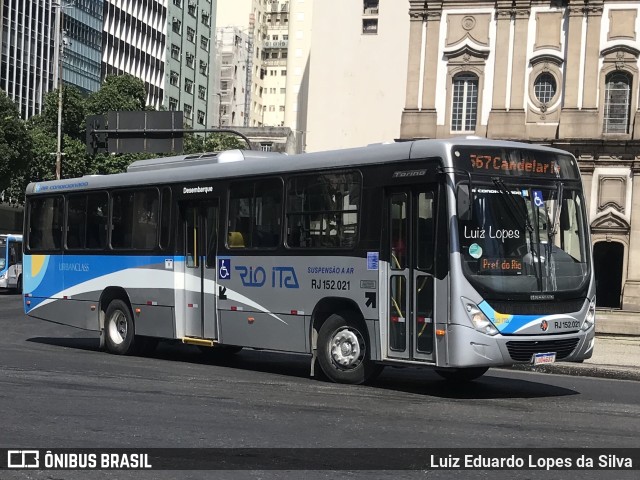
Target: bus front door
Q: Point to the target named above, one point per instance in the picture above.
(200, 226)
(410, 242)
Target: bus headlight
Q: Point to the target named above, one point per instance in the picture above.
(479, 319)
(590, 318)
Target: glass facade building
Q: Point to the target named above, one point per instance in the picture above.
(27, 55)
(82, 26)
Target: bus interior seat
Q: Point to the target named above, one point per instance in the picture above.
(235, 240)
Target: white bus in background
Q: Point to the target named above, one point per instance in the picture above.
(11, 262)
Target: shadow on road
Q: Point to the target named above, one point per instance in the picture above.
(490, 386)
(493, 385)
(77, 343)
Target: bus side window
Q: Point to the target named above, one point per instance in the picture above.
(425, 230)
(97, 219)
(45, 223)
(398, 231)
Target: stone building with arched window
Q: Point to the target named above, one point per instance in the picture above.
(557, 72)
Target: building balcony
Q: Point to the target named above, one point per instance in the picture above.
(274, 62)
(275, 44)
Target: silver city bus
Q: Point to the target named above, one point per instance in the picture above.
(459, 255)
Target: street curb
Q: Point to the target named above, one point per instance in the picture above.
(583, 370)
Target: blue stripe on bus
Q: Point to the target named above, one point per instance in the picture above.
(506, 323)
(47, 275)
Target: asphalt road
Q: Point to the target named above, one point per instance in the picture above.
(58, 390)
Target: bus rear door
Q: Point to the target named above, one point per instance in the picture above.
(200, 226)
(410, 283)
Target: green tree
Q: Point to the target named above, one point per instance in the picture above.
(121, 92)
(75, 162)
(219, 142)
(43, 163)
(212, 142)
(193, 143)
(73, 113)
(105, 164)
(15, 145)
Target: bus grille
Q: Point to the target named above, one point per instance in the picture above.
(537, 308)
(523, 351)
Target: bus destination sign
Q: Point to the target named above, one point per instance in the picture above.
(503, 266)
(516, 162)
(499, 164)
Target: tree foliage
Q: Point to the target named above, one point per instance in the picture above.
(121, 92)
(15, 143)
(212, 142)
(73, 113)
(124, 92)
(27, 149)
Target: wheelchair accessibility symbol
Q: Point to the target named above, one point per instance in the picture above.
(224, 268)
(537, 198)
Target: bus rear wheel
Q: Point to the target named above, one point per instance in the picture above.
(119, 328)
(462, 374)
(344, 350)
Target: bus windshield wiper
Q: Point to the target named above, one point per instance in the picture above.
(522, 219)
(517, 211)
(557, 210)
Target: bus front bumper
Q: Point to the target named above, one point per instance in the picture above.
(469, 348)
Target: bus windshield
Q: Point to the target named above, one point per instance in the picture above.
(525, 239)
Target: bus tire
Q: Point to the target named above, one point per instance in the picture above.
(344, 350)
(119, 328)
(461, 374)
(19, 285)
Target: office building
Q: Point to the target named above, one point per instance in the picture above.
(27, 52)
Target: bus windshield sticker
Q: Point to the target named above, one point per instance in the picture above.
(537, 198)
(475, 250)
(372, 260)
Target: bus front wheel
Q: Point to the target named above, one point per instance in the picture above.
(461, 374)
(343, 350)
(119, 329)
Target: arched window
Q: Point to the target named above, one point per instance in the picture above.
(617, 101)
(545, 88)
(464, 108)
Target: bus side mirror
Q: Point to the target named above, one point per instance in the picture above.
(463, 204)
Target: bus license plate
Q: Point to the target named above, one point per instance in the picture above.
(542, 358)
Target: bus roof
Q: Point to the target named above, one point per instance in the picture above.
(240, 163)
(11, 236)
